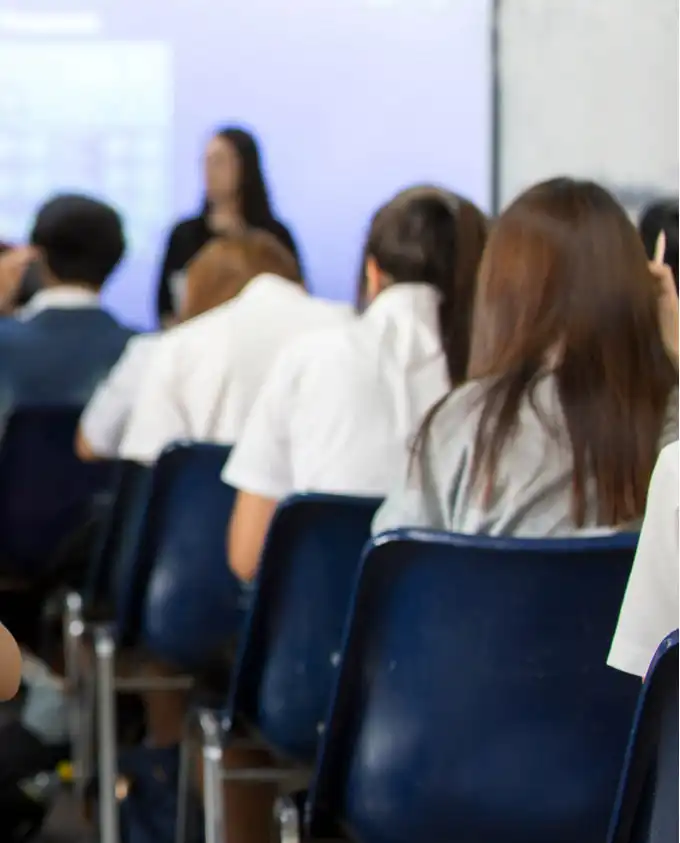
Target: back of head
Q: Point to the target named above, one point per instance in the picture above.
(429, 235)
(223, 267)
(657, 217)
(564, 285)
(81, 239)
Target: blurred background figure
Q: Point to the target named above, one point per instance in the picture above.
(217, 273)
(236, 199)
(657, 217)
(62, 343)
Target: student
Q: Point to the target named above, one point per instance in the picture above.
(205, 375)
(657, 217)
(338, 409)
(572, 388)
(650, 608)
(62, 343)
(236, 199)
(219, 271)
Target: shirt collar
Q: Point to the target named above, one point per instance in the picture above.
(408, 305)
(65, 297)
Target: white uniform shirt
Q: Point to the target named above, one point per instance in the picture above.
(205, 374)
(108, 412)
(59, 297)
(339, 409)
(650, 607)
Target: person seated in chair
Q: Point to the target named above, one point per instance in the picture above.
(57, 348)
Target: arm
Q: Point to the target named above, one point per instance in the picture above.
(650, 607)
(10, 665)
(247, 532)
(157, 418)
(105, 419)
(259, 467)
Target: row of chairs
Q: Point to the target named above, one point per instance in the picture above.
(435, 687)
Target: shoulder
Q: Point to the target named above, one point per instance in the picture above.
(457, 414)
(281, 232)
(187, 230)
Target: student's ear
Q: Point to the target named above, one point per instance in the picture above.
(374, 279)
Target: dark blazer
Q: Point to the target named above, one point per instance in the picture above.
(57, 356)
(185, 240)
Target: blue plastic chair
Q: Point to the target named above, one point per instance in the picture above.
(175, 599)
(474, 704)
(647, 803)
(114, 551)
(45, 490)
(290, 649)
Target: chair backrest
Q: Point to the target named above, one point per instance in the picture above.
(45, 490)
(474, 701)
(290, 649)
(184, 603)
(647, 802)
(115, 550)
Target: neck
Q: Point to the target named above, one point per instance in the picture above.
(54, 284)
(226, 206)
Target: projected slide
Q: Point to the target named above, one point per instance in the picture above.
(351, 99)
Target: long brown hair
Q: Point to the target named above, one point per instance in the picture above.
(564, 284)
(222, 268)
(431, 235)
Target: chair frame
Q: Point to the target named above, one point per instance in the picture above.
(216, 729)
(295, 818)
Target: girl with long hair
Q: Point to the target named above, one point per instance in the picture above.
(572, 380)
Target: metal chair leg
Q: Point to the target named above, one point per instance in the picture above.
(84, 748)
(73, 628)
(183, 787)
(106, 729)
(286, 815)
(213, 802)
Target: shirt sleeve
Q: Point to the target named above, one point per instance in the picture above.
(650, 606)
(260, 461)
(157, 418)
(106, 416)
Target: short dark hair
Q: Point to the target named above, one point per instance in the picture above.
(81, 238)
(657, 217)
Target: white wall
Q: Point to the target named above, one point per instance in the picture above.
(589, 88)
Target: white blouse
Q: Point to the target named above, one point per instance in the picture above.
(650, 608)
(206, 373)
(339, 409)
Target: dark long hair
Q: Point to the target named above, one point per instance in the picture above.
(255, 205)
(564, 284)
(427, 234)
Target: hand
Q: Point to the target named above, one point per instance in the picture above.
(13, 264)
(668, 298)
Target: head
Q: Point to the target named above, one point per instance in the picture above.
(223, 267)
(430, 236)
(233, 170)
(81, 240)
(564, 285)
(657, 217)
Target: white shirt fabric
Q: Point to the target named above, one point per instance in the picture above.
(650, 607)
(206, 373)
(338, 411)
(63, 297)
(108, 412)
